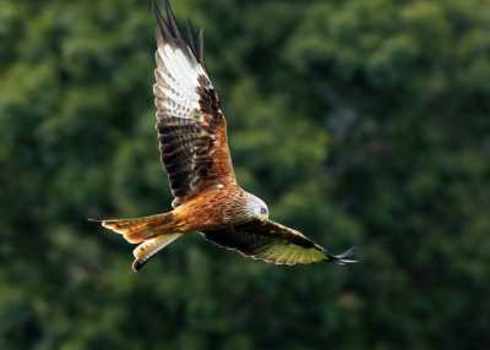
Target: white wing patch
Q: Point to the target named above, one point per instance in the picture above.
(176, 83)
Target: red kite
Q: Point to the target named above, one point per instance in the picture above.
(192, 137)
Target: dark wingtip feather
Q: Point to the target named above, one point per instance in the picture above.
(347, 257)
(159, 17)
(169, 32)
(172, 23)
(200, 45)
(195, 38)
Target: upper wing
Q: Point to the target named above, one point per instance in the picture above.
(190, 123)
(274, 243)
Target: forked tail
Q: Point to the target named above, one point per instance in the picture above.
(137, 230)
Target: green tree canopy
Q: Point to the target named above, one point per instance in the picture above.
(358, 121)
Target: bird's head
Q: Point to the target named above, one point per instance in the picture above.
(256, 207)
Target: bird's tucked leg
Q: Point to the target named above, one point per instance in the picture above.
(143, 252)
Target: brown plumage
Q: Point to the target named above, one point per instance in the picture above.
(192, 137)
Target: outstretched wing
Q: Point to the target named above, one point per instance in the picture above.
(274, 243)
(190, 124)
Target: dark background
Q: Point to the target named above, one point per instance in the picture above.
(360, 122)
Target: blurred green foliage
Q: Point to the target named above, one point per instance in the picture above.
(358, 121)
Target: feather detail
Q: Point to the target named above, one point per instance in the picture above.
(146, 250)
(137, 230)
(274, 243)
(189, 121)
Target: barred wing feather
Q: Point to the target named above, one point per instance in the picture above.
(274, 243)
(190, 124)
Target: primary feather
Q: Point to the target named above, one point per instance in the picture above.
(190, 123)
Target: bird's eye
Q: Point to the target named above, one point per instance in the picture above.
(263, 211)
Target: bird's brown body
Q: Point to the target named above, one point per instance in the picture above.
(215, 208)
(193, 144)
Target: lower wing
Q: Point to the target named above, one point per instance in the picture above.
(274, 243)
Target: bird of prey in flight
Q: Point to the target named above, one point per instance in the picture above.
(192, 137)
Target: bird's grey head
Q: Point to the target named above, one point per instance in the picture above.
(256, 207)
